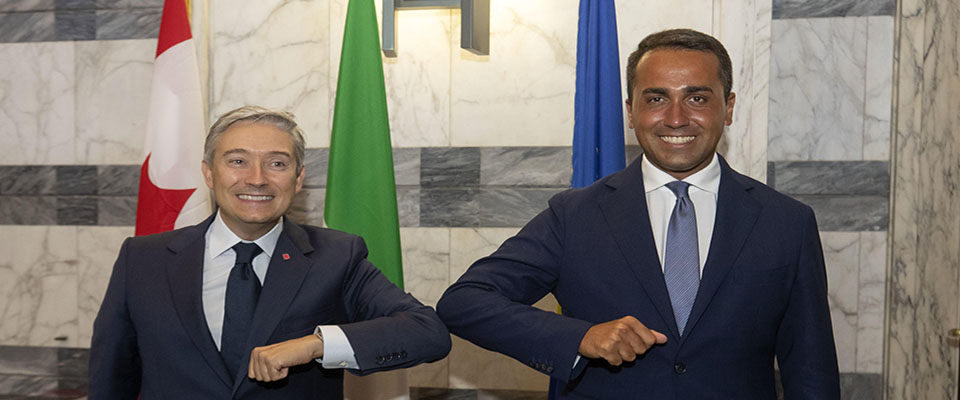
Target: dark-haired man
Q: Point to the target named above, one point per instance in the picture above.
(678, 277)
(240, 305)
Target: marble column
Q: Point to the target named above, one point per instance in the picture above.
(925, 225)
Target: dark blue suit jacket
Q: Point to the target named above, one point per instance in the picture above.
(763, 294)
(151, 336)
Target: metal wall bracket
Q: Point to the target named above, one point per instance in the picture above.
(474, 21)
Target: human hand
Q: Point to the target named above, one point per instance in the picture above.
(619, 340)
(272, 363)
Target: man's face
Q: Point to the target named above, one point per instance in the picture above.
(253, 177)
(678, 111)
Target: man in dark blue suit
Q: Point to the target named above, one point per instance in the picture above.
(248, 305)
(678, 277)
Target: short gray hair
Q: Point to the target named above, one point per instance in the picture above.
(280, 119)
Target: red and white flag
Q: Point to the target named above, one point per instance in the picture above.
(172, 191)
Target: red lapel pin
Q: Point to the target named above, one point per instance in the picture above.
(286, 256)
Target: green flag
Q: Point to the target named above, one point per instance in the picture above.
(361, 193)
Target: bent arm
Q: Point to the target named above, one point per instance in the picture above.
(114, 358)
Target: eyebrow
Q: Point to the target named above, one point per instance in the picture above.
(688, 89)
(245, 151)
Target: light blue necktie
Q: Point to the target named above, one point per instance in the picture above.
(681, 259)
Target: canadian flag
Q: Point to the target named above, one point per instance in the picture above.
(172, 191)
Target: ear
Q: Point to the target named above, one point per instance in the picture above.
(730, 101)
(629, 112)
(303, 173)
(207, 174)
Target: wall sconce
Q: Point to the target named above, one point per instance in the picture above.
(474, 22)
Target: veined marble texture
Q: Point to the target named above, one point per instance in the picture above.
(841, 251)
(831, 8)
(879, 90)
(27, 27)
(817, 89)
(37, 103)
(113, 86)
(98, 248)
(38, 280)
(923, 295)
(26, 5)
(275, 54)
(873, 269)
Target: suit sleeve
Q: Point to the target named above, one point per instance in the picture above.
(389, 328)
(805, 347)
(114, 359)
(490, 305)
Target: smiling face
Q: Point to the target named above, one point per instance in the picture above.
(678, 111)
(253, 176)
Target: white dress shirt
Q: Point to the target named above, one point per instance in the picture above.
(704, 186)
(219, 258)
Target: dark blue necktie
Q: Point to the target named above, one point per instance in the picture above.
(243, 291)
(681, 258)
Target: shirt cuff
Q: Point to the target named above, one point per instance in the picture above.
(337, 351)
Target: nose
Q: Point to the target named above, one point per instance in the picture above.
(256, 176)
(676, 116)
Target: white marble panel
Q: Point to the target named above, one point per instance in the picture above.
(276, 54)
(747, 40)
(113, 87)
(522, 93)
(879, 88)
(817, 89)
(98, 247)
(37, 103)
(873, 268)
(472, 367)
(426, 261)
(841, 251)
(417, 81)
(470, 244)
(38, 285)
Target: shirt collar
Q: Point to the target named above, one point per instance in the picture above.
(222, 238)
(707, 179)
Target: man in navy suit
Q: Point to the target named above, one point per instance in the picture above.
(248, 305)
(647, 314)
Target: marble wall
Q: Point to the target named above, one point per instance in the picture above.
(924, 299)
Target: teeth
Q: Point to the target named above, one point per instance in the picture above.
(677, 139)
(256, 198)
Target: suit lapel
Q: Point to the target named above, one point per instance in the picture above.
(283, 280)
(737, 212)
(185, 275)
(625, 211)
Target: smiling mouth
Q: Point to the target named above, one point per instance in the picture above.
(677, 139)
(254, 197)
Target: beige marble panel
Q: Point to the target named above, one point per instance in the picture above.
(426, 262)
(522, 93)
(98, 249)
(879, 88)
(922, 294)
(873, 268)
(472, 367)
(841, 252)
(38, 285)
(470, 244)
(113, 92)
(37, 88)
(276, 54)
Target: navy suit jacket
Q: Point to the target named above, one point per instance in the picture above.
(763, 294)
(151, 337)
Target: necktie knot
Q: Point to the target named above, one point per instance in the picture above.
(679, 189)
(246, 252)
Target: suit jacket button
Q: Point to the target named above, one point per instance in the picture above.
(395, 356)
(549, 369)
(379, 360)
(403, 354)
(680, 368)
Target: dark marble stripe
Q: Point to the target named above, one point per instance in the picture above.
(28, 210)
(785, 9)
(129, 3)
(307, 207)
(450, 167)
(79, 210)
(28, 180)
(512, 207)
(76, 25)
(406, 167)
(525, 166)
(72, 362)
(128, 24)
(36, 26)
(449, 208)
(26, 5)
(28, 360)
(118, 180)
(116, 210)
(870, 178)
(315, 162)
(849, 213)
(408, 206)
(32, 386)
(77, 179)
(861, 386)
(75, 4)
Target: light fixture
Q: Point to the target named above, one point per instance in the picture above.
(474, 22)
